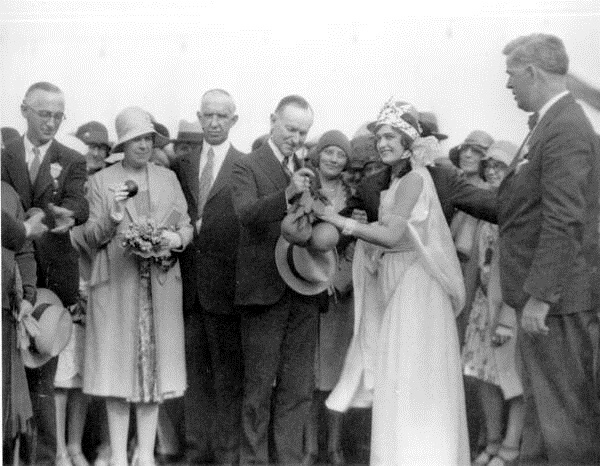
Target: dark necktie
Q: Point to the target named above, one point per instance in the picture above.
(286, 165)
(35, 165)
(206, 181)
(532, 121)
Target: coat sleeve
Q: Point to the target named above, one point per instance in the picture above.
(25, 260)
(13, 232)
(100, 227)
(565, 171)
(477, 202)
(250, 207)
(74, 191)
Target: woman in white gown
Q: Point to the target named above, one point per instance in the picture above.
(404, 358)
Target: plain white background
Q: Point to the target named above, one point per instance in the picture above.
(345, 58)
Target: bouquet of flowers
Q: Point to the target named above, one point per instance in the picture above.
(145, 239)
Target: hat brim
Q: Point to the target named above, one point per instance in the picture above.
(63, 328)
(159, 139)
(295, 283)
(440, 136)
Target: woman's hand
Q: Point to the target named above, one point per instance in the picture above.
(360, 216)
(501, 334)
(171, 239)
(330, 215)
(120, 195)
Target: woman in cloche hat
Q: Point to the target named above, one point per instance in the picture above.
(134, 342)
(404, 356)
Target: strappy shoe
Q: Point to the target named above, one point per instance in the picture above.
(63, 459)
(487, 454)
(77, 457)
(506, 456)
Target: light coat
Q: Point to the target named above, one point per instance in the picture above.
(111, 325)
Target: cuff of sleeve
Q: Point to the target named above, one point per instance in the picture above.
(117, 217)
(27, 229)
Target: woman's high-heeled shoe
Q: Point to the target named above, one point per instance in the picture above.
(77, 457)
(63, 459)
(487, 454)
(506, 456)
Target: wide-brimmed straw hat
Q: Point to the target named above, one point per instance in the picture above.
(134, 122)
(189, 132)
(55, 326)
(304, 270)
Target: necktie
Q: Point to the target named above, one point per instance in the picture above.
(35, 165)
(286, 166)
(532, 121)
(206, 179)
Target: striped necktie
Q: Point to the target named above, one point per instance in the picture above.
(35, 165)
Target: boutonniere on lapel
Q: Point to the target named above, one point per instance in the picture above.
(55, 171)
(522, 160)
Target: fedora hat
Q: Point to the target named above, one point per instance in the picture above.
(55, 326)
(134, 122)
(189, 132)
(429, 125)
(305, 270)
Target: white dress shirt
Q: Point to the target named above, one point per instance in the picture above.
(220, 153)
(29, 155)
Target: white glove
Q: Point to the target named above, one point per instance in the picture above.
(172, 239)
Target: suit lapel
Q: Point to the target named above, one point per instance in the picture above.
(44, 179)
(223, 177)
(19, 174)
(271, 167)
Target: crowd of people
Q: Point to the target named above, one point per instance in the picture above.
(240, 304)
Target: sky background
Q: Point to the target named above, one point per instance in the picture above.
(345, 59)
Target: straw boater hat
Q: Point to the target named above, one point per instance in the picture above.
(55, 326)
(134, 122)
(307, 271)
(189, 132)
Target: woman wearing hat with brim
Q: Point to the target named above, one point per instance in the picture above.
(490, 338)
(95, 136)
(134, 343)
(404, 356)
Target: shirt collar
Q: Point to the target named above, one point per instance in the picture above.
(542, 111)
(220, 150)
(29, 148)
(276, 151)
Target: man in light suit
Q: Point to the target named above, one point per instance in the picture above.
(48, 176)
(213, 342)
(279, 325)
(548, 209)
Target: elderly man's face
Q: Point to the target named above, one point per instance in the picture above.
(289, 128)
(216, 117)
(44, 112)
(521, 82)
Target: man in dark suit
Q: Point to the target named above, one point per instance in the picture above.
(212, 323)
(279, 325)
(548, 209)
(50, 177)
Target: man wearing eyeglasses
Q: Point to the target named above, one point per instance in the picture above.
(48, 176)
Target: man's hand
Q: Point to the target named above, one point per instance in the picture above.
(63, 218)
(299, 182)
(25, 309)
(533, 320)
(34, 226)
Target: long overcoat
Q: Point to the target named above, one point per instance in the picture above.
(113, 310)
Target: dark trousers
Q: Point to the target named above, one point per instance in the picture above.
(199, 397)
(41, 387)
(225, 348)
(562, 424)
(278, 343)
